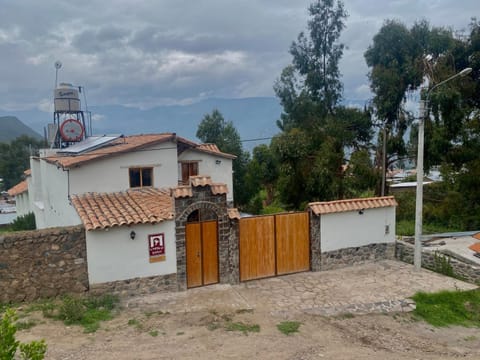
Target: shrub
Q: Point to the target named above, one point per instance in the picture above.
(24, 222)
(34, 350)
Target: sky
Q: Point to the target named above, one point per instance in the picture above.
(143, 53)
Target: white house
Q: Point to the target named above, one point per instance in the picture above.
(121, 190)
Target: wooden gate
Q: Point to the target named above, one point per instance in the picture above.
(274, 245)
(201, 253)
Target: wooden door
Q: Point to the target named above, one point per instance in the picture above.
(292, 243)
(201, 253)
(210, 252)
(194, 254)
(257, 247)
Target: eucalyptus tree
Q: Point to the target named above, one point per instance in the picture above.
(316, 129)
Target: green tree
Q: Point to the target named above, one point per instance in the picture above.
(262, 172)
(397, 67)
(215, 129)
(315, 129)
(15, 158)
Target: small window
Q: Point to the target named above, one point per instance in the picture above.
(140, 177)
(189, 169)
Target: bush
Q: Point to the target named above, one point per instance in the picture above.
(34, 350)
(25, 222)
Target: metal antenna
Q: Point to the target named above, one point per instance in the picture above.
(57, 65)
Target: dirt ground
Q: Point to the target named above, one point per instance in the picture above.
(141, 334)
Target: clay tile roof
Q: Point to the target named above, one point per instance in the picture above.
(18, 189)
(207, 148)
(475, 247)
(27, 172)
(118, 146)
(134, 206)
(328, 207)
(233, 213)
(186, 190)
(219, 189)
(200, 180)
(182, 191)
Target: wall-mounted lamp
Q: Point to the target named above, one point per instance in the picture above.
(361, 211)
(218, 162)
(132, 235)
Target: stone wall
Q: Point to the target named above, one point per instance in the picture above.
(234, 252)
(356, 255)
(315, 243)
(404, 252)
(42, 263)
(137, 286)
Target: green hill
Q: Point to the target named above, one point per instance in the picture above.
(11, 128)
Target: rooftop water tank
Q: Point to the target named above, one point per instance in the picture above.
(66, 98)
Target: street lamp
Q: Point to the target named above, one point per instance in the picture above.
(417, 258)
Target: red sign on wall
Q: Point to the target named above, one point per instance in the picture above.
(156, 247)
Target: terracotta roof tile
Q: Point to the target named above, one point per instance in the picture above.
(207, 148)
(475, 247)
(200, 180)
(328, 207)
(219, 189)
(18, 189)
(134, 206)
(195, 181)
(182, 191)
(118, 146)
(233, 213)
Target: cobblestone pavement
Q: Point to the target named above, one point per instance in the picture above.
(374, 287)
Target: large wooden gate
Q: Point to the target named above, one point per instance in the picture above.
(201, 253)
(274, 245)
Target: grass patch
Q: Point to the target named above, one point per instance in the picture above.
(153, 333)
(244, 328)
(24, 325)
(85, 311)
(289, 327)
(447, 308)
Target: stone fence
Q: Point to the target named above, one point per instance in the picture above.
(42, 263)
(433, 261)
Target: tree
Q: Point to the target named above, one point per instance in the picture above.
(262, 172)
(214, 129)
(397, 66)
(316, 130)
(15, 158)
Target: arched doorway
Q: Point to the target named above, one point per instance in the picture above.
(201, 236)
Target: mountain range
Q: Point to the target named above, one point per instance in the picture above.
(254, 118)
(11, 128)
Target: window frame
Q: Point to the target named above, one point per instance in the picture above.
(190, 165)
(141, 169)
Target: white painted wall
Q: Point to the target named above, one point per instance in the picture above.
(350, 229)
(51, 185)
(22, 204)
(113, 256)
(111, 174)
(207, 165)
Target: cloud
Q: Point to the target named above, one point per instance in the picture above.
(145, 53)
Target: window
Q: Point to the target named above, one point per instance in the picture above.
(189, 169)
(140, 177)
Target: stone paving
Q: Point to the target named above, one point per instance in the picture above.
(382, 286)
